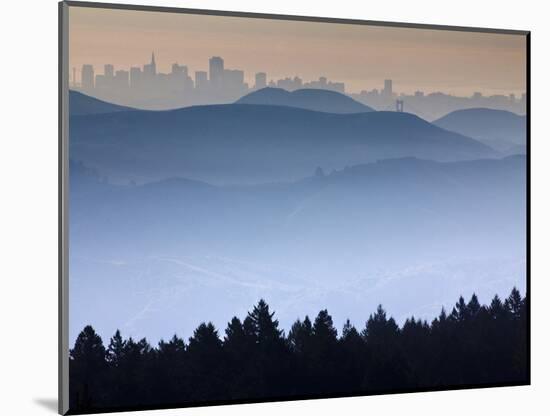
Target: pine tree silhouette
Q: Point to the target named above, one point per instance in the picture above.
(115, 351)
(205, 363)
(473, 345)
(299, 337)
(264, 327)
(87, 370)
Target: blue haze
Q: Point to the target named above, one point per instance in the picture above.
(191, 215)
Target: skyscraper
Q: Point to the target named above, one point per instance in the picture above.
(261, 80)
(109, 71)
(100, 82)
(216, 71)
(179, 77)
(121, 80)
(201, 80)
(150, 70)
(135, 76)
(388, 88)
(180, 70)
(87, 77)
(233, 78)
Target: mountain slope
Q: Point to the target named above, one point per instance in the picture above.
(407, 233)
(309, 99)
(376, 197)
(499, 129)
(82, 104)
(239, 143)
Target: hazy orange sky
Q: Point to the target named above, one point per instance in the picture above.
(361, 56)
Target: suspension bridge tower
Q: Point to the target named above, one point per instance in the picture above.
(399, 106)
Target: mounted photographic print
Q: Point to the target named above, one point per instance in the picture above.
(263, 208)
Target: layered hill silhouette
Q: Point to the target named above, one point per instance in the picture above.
(240, 143)
(420, 201)
(368, 233)
(378, 197)
(502, 130)
(82, 104)
(309, 99)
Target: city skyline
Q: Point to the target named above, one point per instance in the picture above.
(216, 76)
(146, 87)
(421, 59)
(289, 82)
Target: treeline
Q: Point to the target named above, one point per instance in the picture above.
(255, 360)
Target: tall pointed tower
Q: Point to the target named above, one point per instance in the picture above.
(153, 63)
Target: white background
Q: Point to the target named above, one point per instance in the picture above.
(28, 213)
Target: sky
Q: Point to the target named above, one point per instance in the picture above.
(361, 56)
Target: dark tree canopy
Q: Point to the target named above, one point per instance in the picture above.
(263, 326)
(473, 345)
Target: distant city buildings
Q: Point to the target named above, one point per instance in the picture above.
(387, 92)
(146, 87)
(216, 69)
(88, 77)
(201, 80)
(150, 69)
(261, 80)
(431, 106)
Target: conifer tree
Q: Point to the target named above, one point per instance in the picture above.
(88, 348)
(496, 308)
(115, 350)
(473, 306)
(472, 345)
(265, 328)
(514, 303)
(299, 336)
(323, 329)
(87, 369)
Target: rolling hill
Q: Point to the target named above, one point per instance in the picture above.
(240, 143)
(309, 99)
(82, 104)
(411, 234)
(502, 130)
